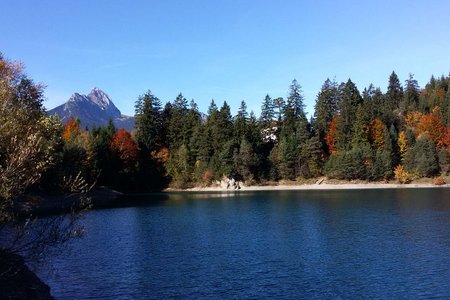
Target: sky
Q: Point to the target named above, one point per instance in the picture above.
(222, 50)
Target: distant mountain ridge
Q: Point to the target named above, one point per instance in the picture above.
(94, 109)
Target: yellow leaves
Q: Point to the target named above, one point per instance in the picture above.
(401, 175)
(376, 133)
(162, 155)
(413, 118)
(402, 144)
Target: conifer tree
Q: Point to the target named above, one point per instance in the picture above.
(240, 122)
(348, 107)
(325, 108)
(394, 92)
(279, 105)
(411, 95)
(148, 121)
(295, 99)
(267, 112)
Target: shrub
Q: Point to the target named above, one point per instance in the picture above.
(401, 175)
(438, 181)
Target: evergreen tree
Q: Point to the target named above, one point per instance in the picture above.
(421, 160)
(178, 124)
(394, 92)
(148, 121)
(246, 162)
(279, 104)
(295, 99)
(267, 112)
(351, 99)
(325, 108)
(240, 122)
(361, 127)
(411, 96)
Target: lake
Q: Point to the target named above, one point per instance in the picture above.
(392, 243)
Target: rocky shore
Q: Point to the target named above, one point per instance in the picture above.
(17, 281)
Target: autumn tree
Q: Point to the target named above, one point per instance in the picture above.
(432, 126)
(126, 148)
(325, 109)
(29, 145)
(71, 129)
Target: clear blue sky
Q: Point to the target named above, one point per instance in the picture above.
(226, 50)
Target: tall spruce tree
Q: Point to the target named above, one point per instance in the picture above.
(267, 112)
(279, 104)
(394, 92)
(178, 124)
(325, 108)
(295, 99)
(411, 95)
(348, 107)
(240, 122)
(148, 121)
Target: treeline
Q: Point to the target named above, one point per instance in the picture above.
(370, 135)
(403, 133)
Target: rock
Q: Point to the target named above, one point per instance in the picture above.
(229, 184)
(17, 281)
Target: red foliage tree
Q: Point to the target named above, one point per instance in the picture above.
(123, 144)
(330, 138)
(71, 130)
(432, 126)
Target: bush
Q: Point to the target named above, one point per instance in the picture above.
(401, 175)
(438, 181)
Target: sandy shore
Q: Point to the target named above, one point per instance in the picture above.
(322, 186)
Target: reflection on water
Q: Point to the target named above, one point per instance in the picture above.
(277, 244)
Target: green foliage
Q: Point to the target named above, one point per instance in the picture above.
(179, 168)
(421, 160)
(267, 112)
(326, 107)
(148, 121)
(348, 107)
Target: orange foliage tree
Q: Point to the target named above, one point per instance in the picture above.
(446, 139)
(123, 144)
(413, 118)
(376, 133)
(71, 130)
(432, 126)
(330, 138)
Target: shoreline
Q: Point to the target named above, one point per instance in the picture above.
(307, 187)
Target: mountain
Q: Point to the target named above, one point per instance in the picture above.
(94, 109)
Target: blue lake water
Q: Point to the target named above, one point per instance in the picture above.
(368, 244)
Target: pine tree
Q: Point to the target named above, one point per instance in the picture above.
(351, 99)
(267, 112)
(411, 95)
(325, 108)
(178, 124)
(394, 92)
(148, 121)
(240, 122)
(279, 105)
(295, 99)
(421, 159)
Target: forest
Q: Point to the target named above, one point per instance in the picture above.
(402, 134)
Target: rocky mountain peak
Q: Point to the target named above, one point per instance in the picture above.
(100, 98)
(93, 109)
